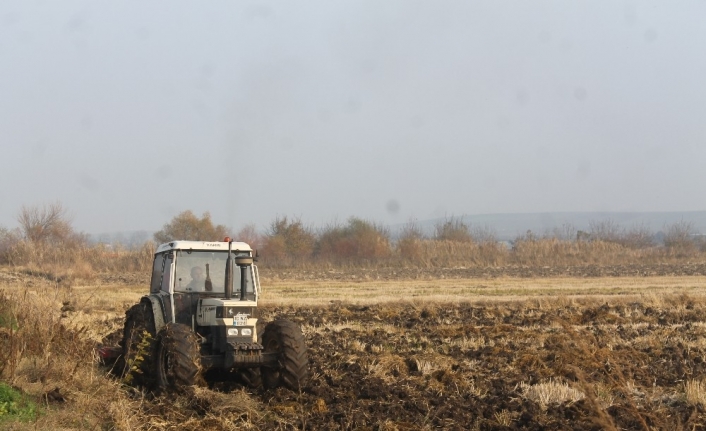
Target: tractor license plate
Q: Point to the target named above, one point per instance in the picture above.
(240, 320)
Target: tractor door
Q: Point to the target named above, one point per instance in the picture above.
(162, 276)
(167, 287)
(157, 268)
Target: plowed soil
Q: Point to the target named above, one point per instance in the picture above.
(473, 366)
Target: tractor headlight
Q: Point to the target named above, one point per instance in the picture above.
(246, 332)
(234, 331)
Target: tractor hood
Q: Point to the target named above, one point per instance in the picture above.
(222, 312)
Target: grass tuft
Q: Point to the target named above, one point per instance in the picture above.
(14, 405)
(551, 392)
(695, 391)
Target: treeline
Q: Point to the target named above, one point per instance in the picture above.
(289, 242)
(45, 241)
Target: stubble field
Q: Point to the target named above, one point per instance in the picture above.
(410, 351)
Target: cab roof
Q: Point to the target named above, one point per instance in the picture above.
(202, 245)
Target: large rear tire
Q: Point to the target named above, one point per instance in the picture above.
(285, 338)
(178, 358)
(136, 364)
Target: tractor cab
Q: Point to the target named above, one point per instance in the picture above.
(186, 273)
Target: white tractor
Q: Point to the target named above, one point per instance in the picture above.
(200, 322)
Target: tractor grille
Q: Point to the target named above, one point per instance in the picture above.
(246, 353)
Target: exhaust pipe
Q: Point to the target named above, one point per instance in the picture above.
(244, 262)
(229, 271)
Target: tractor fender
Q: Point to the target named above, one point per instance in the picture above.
(157, 311)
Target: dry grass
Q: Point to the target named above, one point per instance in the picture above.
(695, 391)
(78, 261)
(288, 292)
(551, 392)
(42, 353)
(537, 252)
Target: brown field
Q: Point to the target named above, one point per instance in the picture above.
(524, 348)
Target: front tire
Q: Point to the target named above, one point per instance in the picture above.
(178, 358)
(136, 364)
(285, 338)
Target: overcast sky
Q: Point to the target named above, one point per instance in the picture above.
(131, 112)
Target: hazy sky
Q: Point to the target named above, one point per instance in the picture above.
(131, 112)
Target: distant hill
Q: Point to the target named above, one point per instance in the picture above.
(508, 226)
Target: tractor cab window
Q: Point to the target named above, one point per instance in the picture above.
(157, 267)
(196, 271)
(166, 273)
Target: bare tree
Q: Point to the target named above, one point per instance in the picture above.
(249, 235)
(605, 230)
(45, 223)
(638, 236)
(679, 237)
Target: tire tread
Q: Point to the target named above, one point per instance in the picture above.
(293, 372)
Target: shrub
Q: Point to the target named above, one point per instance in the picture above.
(360, 240)
(409, 243)
(187, 226)
(452, 229)
(287, 241)
(8, 240)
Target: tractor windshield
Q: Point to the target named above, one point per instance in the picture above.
(194, 268)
